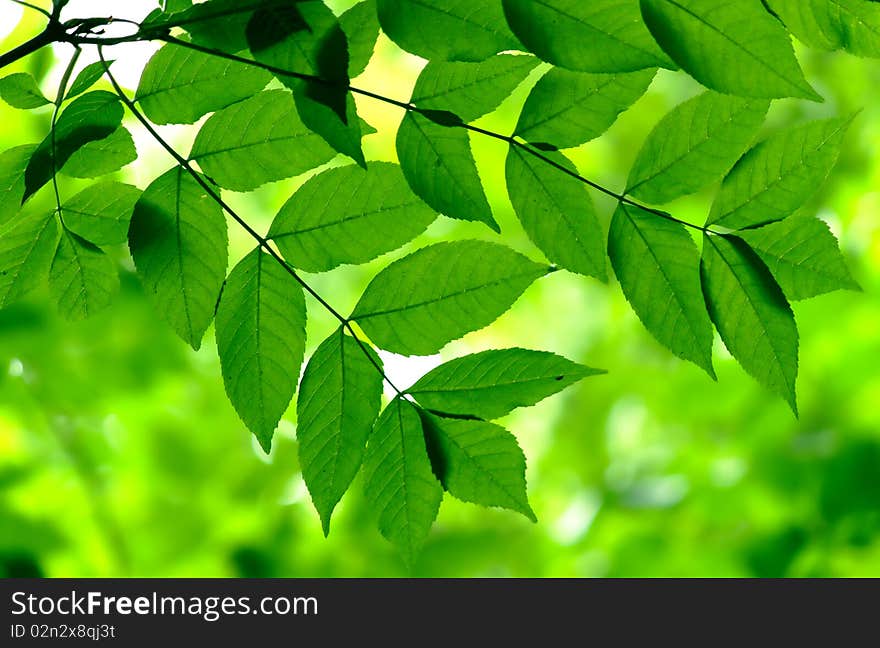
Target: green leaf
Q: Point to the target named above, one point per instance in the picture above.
(307, 38)
(256, 141)
(447, 30)
(20, 90)
(101, 212)
(13, 163)
(437, 294)
(361, 27)
(779, 175)
(478, 462)
(90, 117)
(751, 314)
(348, 215)
(180, 85)
(657, 264)
(261, 337)
(853, 25)
(219, 24)
(83, 279)
(803, 256)
(557, 212)
(401, 488)
(566, 109)
(86, 78)
(470, 90)
(339, 400)
(103, 156)
(694, 146)
(178, 240)
(26, 251)
(439, 166)
(491, 384)
(731, 46)
(595, 36)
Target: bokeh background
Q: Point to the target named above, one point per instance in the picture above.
(121, 456)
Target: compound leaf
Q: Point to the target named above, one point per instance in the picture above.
(180, 85)
(258, 140)
(657, 264)
(407, 308)
(348, 215)
(478, 462)
(339, 400)
(803, 256)
(439, 166)
(20, 90)
(447, 30)
(751, 314)
(470, 90)
(491, 384)
(261, 336)
(82, 279)
(694, 146)
(779, 175)
(595, 36)
(179, 244)
(101, 212)
(400, 486)
(556, 211)
(731, 46)
(566, 109)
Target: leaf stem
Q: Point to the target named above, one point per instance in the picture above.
(261, 240)
(59, 99)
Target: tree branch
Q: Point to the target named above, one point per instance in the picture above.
(261, 241)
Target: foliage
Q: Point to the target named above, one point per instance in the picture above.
(273, 78)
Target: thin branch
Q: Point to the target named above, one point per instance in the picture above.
(261, 241)
(623, 198)
(59, 99)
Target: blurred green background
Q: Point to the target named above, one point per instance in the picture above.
(121, 456)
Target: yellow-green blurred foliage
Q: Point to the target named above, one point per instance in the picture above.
(120, 455)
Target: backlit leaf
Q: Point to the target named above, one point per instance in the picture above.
(470, 90)
(339, 399)
(83, 279)
(101, 212)
(439, 166)
(441, 292)
(13, 162)
(102, 156)
(491, 384)
(180, 85)
(557, 212)
(751, 314)
(26, 252)
(361, 27)
(178, 241)
(478, 462)
(261, 336)
(348, 215)
(20, 90)
(657, 264)
(779, 175)
(731, 46)
(447, 30)
(694, 146)
(853, 25)
(566, 109)
(803, 256)
(401, 489)
(595, 36)
(258, 140)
